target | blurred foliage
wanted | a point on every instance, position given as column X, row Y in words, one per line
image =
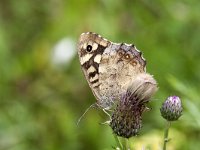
column 40, row 101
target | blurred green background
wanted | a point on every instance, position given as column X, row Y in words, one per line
column 43, row 91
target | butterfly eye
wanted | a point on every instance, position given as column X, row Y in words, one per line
column 89, row 48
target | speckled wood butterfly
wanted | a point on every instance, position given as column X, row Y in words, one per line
column 111, row 68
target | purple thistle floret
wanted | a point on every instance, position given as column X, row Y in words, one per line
column 171, row 109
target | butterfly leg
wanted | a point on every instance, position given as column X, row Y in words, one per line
column 91, row 106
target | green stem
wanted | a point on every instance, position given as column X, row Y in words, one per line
column 122, row 143
column 118, row 142
column 166, row 135
column 125, row 144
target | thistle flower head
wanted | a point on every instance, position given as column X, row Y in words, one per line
column 126, row 119
column 172, row 108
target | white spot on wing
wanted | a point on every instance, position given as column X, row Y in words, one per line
column 94, row 46
column 97, row 58
column 85, row 58
column 84, row 45
column 103, row 43
column 91, row 69
column 90, row 43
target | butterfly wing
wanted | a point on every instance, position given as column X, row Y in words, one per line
column 108, row 67
column 90, row 49
column 120, row 64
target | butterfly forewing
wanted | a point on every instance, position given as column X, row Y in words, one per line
column 90, row 49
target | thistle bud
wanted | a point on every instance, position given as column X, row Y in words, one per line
column 171, row 109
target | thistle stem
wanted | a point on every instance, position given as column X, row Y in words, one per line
column 122, row 143
column 166, row 139
column 118, row 142
column 125, row 144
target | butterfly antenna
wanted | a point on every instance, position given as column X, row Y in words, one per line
column 91, row 106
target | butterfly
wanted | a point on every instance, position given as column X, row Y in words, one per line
column 112, row 69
